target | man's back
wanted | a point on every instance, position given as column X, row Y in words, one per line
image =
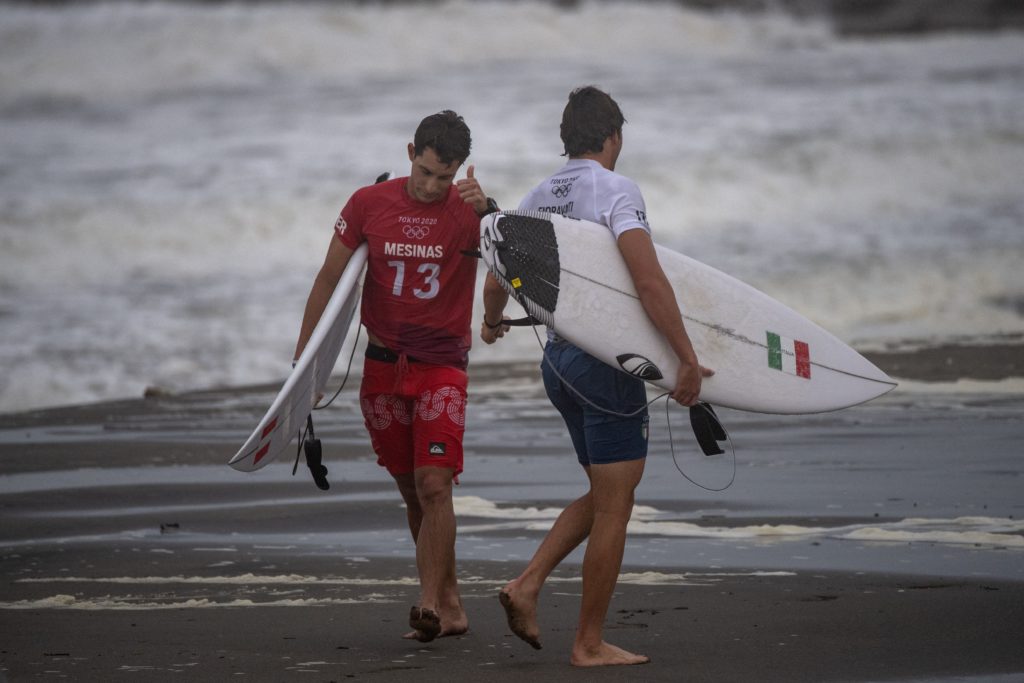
column 584, row 189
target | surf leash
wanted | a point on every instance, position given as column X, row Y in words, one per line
column 527, row 321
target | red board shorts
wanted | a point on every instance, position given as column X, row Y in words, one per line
column 415, row 414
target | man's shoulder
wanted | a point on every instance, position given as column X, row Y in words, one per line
column 604, row 179
column 384, row 190
column 614, row 179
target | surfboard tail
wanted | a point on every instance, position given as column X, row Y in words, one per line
column 521, row 251
column 295, row 401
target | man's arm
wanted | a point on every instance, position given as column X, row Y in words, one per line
column 659, row 302
column 337, row 259
column 495, row 299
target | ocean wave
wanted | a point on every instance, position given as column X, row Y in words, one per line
column 170, row 172
column 127, row 49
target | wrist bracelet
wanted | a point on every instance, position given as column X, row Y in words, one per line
column 492, row 206
column 493, row 327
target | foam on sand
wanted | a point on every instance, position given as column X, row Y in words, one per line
column 63, row 601
column 650, row 521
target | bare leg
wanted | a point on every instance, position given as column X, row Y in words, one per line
column 519, row 597
column 454, row 621
column 435, row 557
column 407, row 487
column 611, row 489
column 414, row 513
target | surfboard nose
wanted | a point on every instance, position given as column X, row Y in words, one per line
column 872, row 372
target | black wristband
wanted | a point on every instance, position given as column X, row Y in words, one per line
column 493, row 327
column 492, row 206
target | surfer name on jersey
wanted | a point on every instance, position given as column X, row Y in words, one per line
column 418, row 228
column 561, row 209
column 413, row 250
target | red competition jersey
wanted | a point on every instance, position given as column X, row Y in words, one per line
column 418, row 293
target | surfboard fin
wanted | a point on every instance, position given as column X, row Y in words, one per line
column 707, row 428
column 314, row 456
column 314, row 460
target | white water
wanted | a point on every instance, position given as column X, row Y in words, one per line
column 169, row 174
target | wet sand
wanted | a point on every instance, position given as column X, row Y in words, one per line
column 130, row 551
column 820, row 627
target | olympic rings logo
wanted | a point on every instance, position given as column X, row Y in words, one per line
column 416, row 231
column 561, row 191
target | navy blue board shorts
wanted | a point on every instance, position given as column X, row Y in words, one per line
column 598, row 437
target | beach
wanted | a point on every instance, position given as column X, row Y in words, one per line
column 879, row 543
column 170, row 175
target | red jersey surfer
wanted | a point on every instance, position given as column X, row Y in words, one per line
column 416, row 306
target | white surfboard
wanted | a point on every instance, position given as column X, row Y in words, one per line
column 287, row 415
column 767, row 358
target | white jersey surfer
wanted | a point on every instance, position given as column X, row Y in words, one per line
column 612, row 448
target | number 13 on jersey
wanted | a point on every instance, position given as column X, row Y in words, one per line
column 426, row 284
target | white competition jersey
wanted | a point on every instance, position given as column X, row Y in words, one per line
column 586, row 190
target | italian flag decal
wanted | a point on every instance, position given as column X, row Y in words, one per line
column 789, row 355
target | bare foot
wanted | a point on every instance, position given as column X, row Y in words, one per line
column 445, row 632
column 454, row 621
column 426, row 623
column 605, row 655
column 416, row 635
column 522, row 615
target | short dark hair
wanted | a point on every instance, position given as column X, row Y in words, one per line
column 447, row 134
column 590, row 117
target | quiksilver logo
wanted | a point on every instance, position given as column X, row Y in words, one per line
column 436, row 448
column 638, row 366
